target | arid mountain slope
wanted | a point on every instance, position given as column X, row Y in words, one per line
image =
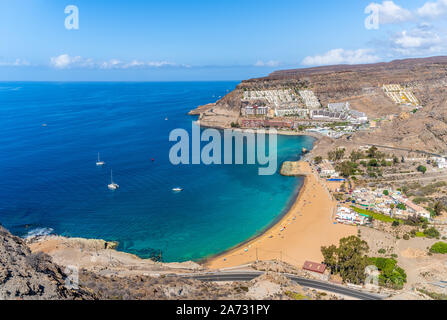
column 361, row 85
column 25, row 275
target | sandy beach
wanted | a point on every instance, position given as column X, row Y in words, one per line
column 299, row 235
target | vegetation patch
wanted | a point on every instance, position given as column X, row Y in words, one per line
column 439, row 247
column 434, row 295
column 375, row 215
column 296, row 295
column 391, row 275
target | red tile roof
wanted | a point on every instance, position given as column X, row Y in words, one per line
column 314, row 267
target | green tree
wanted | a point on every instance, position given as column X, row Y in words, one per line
column 349, row 259
column 330, row 255
column 339, row 154
column 318, row 160
column 372, row 152
column 346, row 168
column 422, row 169
column 356, row 156
column 373, row 163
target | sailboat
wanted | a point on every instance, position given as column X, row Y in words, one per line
column 100, row 163
column 112, row 185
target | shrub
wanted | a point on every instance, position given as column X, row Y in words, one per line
column 432, row 233
column 406, row 237
column 391, row 275
column 439, row 247
column 422, row 169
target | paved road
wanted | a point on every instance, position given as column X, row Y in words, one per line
column 314, row 284
column 403, row 149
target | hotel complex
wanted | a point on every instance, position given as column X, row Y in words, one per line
column 293, row 109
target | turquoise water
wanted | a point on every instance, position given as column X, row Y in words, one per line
column 49, row 181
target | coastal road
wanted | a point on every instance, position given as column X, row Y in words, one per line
column 405, row 150
column 314, row 284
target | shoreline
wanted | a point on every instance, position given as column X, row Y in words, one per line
column 296, row 194
column 286, row 238
column 274, row 224
column 257, row 130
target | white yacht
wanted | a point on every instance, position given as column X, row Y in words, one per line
column 100, row 163
column 112, row 185
column 177, row 189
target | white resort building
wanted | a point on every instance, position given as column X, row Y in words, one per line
column 358, row 117
column 326, row 115
column 256, row 110
column 272, row 97
column 327, row 169
column 310, row 100
column 339, row 107
column 293, row 111
column 400, row 95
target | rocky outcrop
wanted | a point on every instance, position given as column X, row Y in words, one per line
column 294, row 169
column 27, row 275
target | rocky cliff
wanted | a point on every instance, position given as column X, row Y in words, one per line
column 27, row 275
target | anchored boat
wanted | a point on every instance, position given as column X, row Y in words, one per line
column 112, row 185
column 100, row 163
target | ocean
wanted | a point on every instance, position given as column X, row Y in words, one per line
column 51, row 133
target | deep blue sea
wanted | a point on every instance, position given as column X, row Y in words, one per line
column 50, row 134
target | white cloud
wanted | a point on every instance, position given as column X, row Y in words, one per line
column 65, row 61
column 341, row 56
column 270, row 63
column 15, row 63
column 418, row 41
column 433, row 9
column 389, row 12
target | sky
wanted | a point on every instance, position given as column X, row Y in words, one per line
column 202, row 40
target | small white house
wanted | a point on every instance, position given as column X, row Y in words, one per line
column 327, row 169
column 441, row 163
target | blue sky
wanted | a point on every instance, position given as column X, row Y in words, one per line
column 208, row 40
